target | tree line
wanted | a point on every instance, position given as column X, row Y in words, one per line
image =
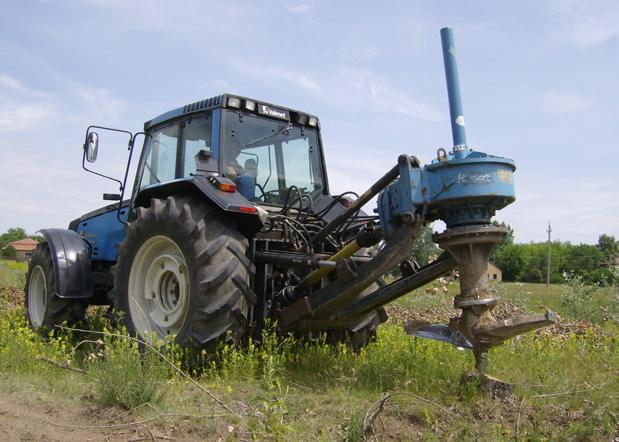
column 528, row 262
column 519, row 262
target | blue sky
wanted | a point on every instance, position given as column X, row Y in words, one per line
column 539, row 82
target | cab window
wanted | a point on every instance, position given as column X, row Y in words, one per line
column 164, row 162
column 196, row 137
column 160, row 164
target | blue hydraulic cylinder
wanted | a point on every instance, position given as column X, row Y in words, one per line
column 453, row 91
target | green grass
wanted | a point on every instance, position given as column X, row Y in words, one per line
column 299, row 391
column 13, row 273
column 565, row 386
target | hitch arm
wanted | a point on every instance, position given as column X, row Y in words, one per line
column 384, row 295
column 327, row 301
column 357, row 204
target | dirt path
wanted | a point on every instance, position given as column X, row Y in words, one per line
column 22, row 420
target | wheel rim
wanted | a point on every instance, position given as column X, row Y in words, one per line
column 37, row 296
column 158, row 289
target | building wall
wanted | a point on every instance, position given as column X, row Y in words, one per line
column 494, row 273
column 23, row 255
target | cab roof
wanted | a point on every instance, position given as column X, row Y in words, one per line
column 223, row 101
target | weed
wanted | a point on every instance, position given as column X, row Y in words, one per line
column 353, row 428
column 577, row 297
column 126, row 376
column 20, row 345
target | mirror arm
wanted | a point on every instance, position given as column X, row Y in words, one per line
column 123, row 185
column 120, row 184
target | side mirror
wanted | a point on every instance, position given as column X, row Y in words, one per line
column 92, row 147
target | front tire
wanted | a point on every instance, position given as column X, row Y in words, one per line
column 183, row 271
column 44, row 309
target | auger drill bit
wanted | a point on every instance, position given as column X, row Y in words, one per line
column 471, row 246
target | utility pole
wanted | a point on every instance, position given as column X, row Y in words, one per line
column 548, row 262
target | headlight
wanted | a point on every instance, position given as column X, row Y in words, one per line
column 234, row 102
column 250, row 105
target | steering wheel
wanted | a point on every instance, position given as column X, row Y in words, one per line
column 270, row 195
column 262, row 193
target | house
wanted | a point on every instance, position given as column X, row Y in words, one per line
column 23, row 248
column 612, row 262
column 494, row 273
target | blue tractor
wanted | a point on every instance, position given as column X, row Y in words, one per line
column 231, row 223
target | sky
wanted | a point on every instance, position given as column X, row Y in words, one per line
column 538, row 78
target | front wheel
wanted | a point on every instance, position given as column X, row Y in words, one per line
column 45, row 310
column 183, row 271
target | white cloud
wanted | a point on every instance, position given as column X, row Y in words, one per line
column 24, row 116
column 299, row 8
column 360, row 54
column 375, row 91
column 11, row 83
column 102, row 104
column 277, row 73
column 22, row 108
column 565, row 102
column 586, row 23
column 14, row 85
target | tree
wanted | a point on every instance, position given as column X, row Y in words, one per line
column 13, row 234
column 608, row 245
column 9, row 252
column 424, row 247
column 511, row 259
column 507, row 240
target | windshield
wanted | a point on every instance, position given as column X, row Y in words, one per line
column 271, row 161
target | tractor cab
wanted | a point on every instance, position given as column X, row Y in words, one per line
column 271, row 155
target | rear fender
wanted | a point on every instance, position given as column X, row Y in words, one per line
column 234, row 205
column 71, row 260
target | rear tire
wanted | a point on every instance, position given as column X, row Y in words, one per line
column 44, row 309
column 182, row 270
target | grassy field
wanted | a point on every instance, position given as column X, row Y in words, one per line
column 566, row 381
column 12, row 273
